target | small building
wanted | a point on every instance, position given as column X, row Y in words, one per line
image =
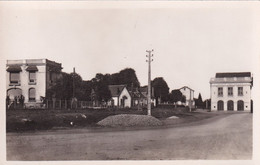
column 189, row 95
column 138, row 99
column 120, row 96
column 29, row 79
column 231, row 91
column 144, row 91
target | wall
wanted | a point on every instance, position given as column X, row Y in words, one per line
column 24, row 85
column 246, row 95
column 128, row 100
column 24, row 82
column 189, row 94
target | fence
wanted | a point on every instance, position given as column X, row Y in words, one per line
column 53, row 104
column 67, row 104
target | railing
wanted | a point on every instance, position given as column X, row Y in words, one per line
column 50, row 104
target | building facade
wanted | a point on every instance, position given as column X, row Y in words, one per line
column 189, row 95
column 120, row 96
column 231, row 91
column 29, row 79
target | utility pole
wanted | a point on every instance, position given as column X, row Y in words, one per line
column 149, row 81
column 73, row 88
column 190, row 101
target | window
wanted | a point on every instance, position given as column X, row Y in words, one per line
column 240, row 91
column 32, row 94
column 14, row 77
column 220, row 91
column 32, row 77
column 230, row 91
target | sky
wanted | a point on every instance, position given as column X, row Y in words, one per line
column 191, row 41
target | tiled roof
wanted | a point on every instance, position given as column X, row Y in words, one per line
column 233, row 74
column 116, row 89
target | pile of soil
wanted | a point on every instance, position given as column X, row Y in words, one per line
column 129, row 120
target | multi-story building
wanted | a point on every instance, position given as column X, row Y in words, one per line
column 231, row 91
column 189, row 95
column 30, row 80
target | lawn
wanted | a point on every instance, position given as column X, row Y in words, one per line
column 32, row 120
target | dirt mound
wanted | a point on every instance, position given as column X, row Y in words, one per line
column 127, row 120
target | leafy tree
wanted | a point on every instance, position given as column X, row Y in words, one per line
column 63, row 87
column 126, row 76
column 161, row 89
column 102, row 91
column 176, row 96
column 183, row 99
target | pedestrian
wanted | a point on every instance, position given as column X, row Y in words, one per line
column 7, row 101
column 15, row 101
column 22, row 101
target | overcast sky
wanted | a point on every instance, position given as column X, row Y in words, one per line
column 191, row 42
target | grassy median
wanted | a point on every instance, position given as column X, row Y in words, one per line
column 32, row 120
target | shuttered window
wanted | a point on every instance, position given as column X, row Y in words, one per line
column 230, row 91
column 32, row 76
column 32, row 94
column 220, row 91
column 14, row 77
column 240, row 91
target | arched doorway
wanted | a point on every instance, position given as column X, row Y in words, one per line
column 220, row 105
column 240, row 105
column 123, row 101
column 14, row 92
column 13, row 98
column 230, row 105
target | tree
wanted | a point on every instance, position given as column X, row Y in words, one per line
column 126, row 76
column 63, row 87
column 161, row 89
column 102, row 91
column 199, row 102
column 183, row 99
column 176, row 96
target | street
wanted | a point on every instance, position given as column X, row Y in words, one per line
column 225, row 137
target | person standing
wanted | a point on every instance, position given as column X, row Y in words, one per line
column 7, row 101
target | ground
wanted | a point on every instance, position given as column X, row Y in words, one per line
column 223, row 136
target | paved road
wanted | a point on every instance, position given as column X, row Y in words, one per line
column 226, row 137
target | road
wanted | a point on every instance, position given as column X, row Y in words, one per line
column 225, row 137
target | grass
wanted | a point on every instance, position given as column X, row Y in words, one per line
column 32, row 120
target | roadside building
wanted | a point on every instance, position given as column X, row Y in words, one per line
column 189, row 95
column 120, row 96
column 29, row 79
column 138, row 99
column 231, row 91
column 144, row 91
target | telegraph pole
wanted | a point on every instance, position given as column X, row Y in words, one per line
column 73, row 88
column 149, row 81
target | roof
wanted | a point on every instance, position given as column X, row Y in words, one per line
column 136, row 93
column 186, row 87
column 32, row 68
column 36, row 62
column 116, row 89
column 233, row 74
column 14, row 68
column 143, row 89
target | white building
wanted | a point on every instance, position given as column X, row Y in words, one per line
column 231, row 91
column 120, row 96
column 189, row 95
column 30, row 79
